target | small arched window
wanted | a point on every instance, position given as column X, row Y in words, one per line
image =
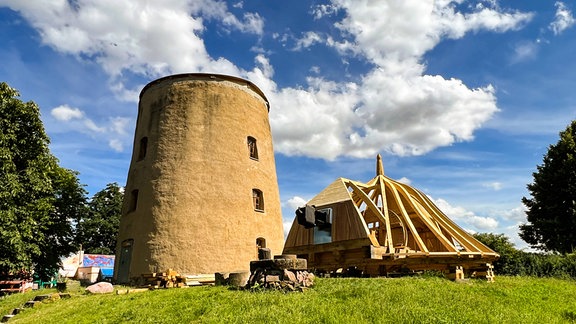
column 258, row 200
column 261, row 242
column 133, row 200
column 143, row 148
column 252, row 148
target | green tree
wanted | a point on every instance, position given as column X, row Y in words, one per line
column 551, row 211
column 38, row 198
column 510, row 262
column 98, row 230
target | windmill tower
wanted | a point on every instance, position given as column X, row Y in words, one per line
column 380, row 227
column 202, row 194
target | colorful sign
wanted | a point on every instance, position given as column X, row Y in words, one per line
column 98, row 260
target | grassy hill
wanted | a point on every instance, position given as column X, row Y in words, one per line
column 350, row 300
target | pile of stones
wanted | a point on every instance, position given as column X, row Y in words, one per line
column 284, row 272
column 288, row 280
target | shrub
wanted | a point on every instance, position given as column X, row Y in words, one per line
column 520, row 263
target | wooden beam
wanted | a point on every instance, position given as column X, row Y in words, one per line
column 370, row 205
column 417, row 237
column 457, row 232
column 427, row 220
column 382, row 189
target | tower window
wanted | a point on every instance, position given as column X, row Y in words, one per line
column 143, row 148
column 252, row 148
column 261, row 242
column 258, row 200
column 133, row 200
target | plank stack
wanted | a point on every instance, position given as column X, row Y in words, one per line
column 172, row 279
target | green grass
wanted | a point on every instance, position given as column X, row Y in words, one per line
column 378, row 300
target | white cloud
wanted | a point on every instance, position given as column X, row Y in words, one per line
column 465, row 218
column 289, row 207
column 563, row 19
column 320, row 11
column 155, row 39
column 76, row 118
column 509, row 225
column 307, row 40
column 405, row 180
column 395, row 107
column 401, row 30
column 294, row 203
column 515, row 214
column 287, row 225
column 119, row 125
column 493, row 185
column 66, row 113
column 127, row 95
column 91, row 126
column 218, row 10
column 116, row 145
column 524, row 51
column 115, row 130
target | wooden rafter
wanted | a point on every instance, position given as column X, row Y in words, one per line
column 382, row 189
column 407, row 220
column 425, row 217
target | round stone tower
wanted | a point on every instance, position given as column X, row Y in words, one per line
column 202, row 194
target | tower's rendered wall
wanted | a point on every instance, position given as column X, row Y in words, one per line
column 189, row 195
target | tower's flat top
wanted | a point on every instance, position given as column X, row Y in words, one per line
column 208, row 77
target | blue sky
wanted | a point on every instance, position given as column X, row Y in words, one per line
column 462, row 98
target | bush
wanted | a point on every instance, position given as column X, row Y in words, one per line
column 520, row 263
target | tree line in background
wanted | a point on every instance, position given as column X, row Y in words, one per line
column 514, row 262
column 44, row 212
column 45, row 215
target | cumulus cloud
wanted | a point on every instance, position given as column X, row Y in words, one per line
column 251, row 22
column 307, row 40
column 155, row 39
column 287, row 224
column 465, row 218
column 405, row 180
column 320, row 11
column 509, row 225
column 562, row 20
column 75, row 117
column 517, row 214
column 394, row 107
column 404, row 30
column 119, row 125
column 115, row 129
column 66, row 113
column 294, row 203
column 116, row 145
